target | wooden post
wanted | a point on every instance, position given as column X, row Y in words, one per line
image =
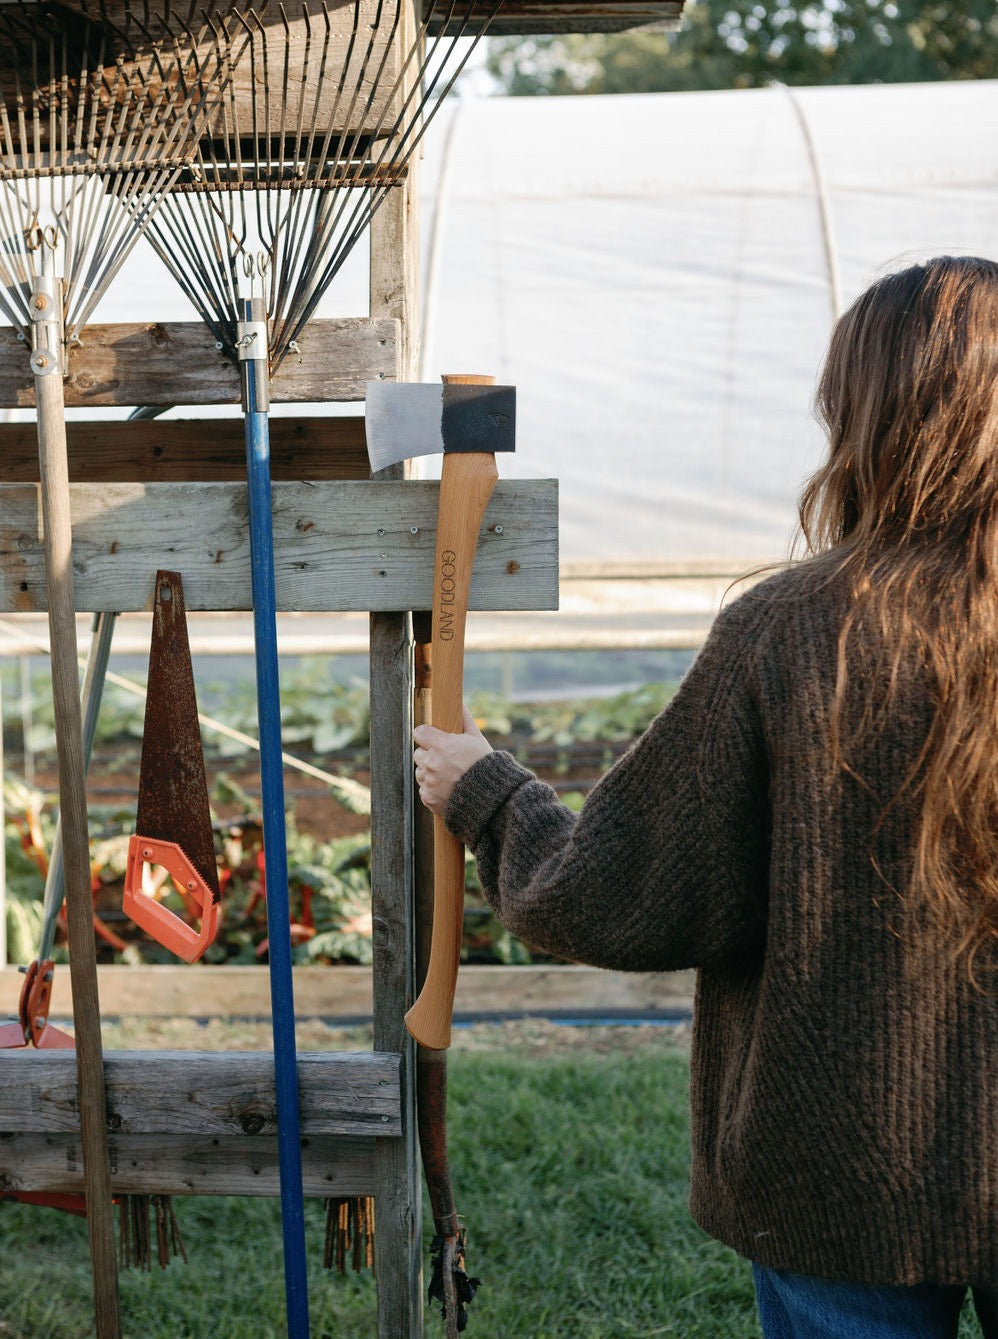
column 54, row 474
column 398, row 1198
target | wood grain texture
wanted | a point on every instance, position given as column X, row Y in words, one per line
column 177, row 363
column 188, row 1164
column 524, row 17
column 186, row 1092
column 338, row 546
column 190, row 450
column 366, row 105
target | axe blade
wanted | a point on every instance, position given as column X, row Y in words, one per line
column 406, row 419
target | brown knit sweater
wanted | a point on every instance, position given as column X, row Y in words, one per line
column 844, row 1070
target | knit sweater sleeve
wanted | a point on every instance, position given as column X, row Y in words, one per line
column 666, row 865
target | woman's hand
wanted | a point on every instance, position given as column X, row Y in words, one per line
column 442, row 759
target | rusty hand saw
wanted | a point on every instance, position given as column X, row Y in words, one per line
column 173, row 819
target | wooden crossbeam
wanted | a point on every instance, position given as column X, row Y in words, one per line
column 211, row 1092
column 195, row 1122
column 523, row 17
column 178, row 364
column 338, row 546
column 190, row 450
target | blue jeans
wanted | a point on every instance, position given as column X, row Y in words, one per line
column 793, row 1306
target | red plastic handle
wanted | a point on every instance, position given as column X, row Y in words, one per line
column 165, row 926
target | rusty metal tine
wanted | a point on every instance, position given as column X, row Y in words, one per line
column 320, row 237
column 303, row 208
column 351, row 225
column 300, row 186
column 404, row 140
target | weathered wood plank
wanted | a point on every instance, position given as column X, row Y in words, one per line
column 175, row 991
column 523, row 17
column 178, row 364
column 184, row 1092
column 190, row 450
column 338, row 546
column 150, row 1164
column 398, row 1247
column 327, row 41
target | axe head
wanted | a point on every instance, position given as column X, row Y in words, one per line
column 405, row 419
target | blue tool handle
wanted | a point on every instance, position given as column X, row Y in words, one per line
column 275, row 849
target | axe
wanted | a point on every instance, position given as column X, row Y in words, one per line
column 468, row 419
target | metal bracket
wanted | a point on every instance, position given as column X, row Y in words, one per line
column 252, row 339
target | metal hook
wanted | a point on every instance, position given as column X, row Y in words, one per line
column 35, row 236
column 255, row 267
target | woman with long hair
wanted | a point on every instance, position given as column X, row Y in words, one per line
column 812, row 823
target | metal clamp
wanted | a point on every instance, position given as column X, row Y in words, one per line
column 45, row 298
column 46, row 325
column 45, row 363
column 252, row 339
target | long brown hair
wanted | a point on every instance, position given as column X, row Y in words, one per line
column 907, row 502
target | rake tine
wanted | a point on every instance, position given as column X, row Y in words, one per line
column 364, row 211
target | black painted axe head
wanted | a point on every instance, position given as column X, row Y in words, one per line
column 405, row 419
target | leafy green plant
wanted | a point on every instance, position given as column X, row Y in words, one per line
column 565, row 724
column 330, row 880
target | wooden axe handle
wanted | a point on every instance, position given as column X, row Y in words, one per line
column 466, row 484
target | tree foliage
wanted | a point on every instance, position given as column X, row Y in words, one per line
column 751, row 43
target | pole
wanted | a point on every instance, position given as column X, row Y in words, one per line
column 253, row 345
column 47, row 365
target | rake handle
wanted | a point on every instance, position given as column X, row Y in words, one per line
column 466, row 483
column 54, row 476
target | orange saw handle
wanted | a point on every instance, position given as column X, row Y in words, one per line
column 466, row 483
column 165, row 926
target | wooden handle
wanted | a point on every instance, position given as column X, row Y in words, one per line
column 54, row 474
column 466, row 484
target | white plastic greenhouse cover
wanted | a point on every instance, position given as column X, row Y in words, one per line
column 658, row 275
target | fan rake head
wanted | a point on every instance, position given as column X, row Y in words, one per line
column 326, row 106
column 101, row 107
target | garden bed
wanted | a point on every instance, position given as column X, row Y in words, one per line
column 569, row 744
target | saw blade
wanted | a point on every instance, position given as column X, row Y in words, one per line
column 173, row 790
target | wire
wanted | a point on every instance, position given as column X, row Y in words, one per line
column 354, row 795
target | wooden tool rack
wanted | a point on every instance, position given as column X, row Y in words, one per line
column 154, row 494
column 172, row 493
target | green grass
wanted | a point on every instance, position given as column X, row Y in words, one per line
column 570, row 1162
